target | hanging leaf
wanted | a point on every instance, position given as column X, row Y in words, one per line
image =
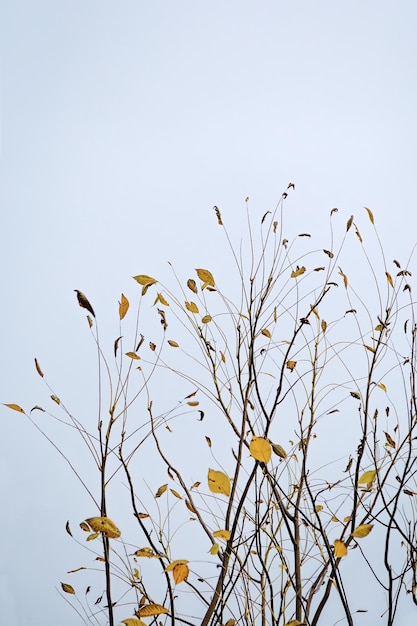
column 38, row 369
column 206, row 278
column 190, row 507
column 67, row 588
column 218, row 482
column 294, row 622
column 218, row 215
column 176, row 494
column 345, row 280
column 340, row 549
column 68, row 529
column 147, row 553
column 151, row 609
column 14, row 407
column 370, row 348
column 260, row 449
column 133, row 355
column 191, row 306
column 291, row 365
column 329, row 254
column 104, row 525
column 349, row 223
column 55, row 399
column 93, row 536
column 195, row 485
column 390, row 442
column 362, row 531
column 371, row 217
column 145, row 281
column 266, row 332
column 83, row 302
column 174, row 344
column 223, row 358
column 193, row 403
column 222, row 534
column 323, row 326
column 162, row 489
column 389, row 279
column 279, row 450
column 133, row 621
column 318, row 508
column 367, row 477
column 192, row 286
column 382, row 386
column 123, row 306
column 214, row 549
column 160, row 298
column 298, row 271
column 206, row 319
column 172, row 565
column 358, row 234
column 208, row 440
column 230, row 622
column 180, row 572
column 85, row 527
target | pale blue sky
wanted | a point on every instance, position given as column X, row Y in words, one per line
column 122, row 124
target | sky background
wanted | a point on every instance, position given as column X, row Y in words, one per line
column 122, row 124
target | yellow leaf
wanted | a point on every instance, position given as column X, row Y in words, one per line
column 323, row 325
column 55, row 399
column 291, row 365
column 334, row 519
column 260, row 449
column 144, row 280
column 191, row 306
column 104, row 525
column 123, row 306
column 345, row 280
column 173, row 344
column 214, row 548
column 208, row 441
column 191, row 284
column 193, row 403
column 318, row 507
column 298, row 271
column 389, row 278
column 145, row 552
column 382, row 386
column 340, row 549
column 162, row 489
column 152, row 346
column 266, row 332
column 371, row 217
column 151, row 609
column 362, row 531
column 85, row 527
column 133, row 355
column 369, row 348
column 180, row 572
column 133, row 621
column 206, row 278
column 15, row 407
column 67, row 588
column 218, row 482
column 230, row 622
column 195, row 485
column 279, row 450
column 38, row 369
column 160, row 298
column 171, row 566
column 176, row 494
column 367, row 477
column 206, row 319
column 190, row 506
column 222, row 534
column 92, row 536
column 294, row 622
column 223, row 358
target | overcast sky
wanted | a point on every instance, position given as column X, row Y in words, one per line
column 122, row 124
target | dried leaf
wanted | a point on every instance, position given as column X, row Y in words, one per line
column 67, row 588
column 298, row 271
column 68, row 529
column 171, row 566
column 340, row 549
column 133, row 621
column 160, row 298
column 176, row 494
column 133, row 355
column 14, row 407
column 390, row 442
column 371, row 217
column 291, row 365
column 222, row 534
column 104, row 525
column 191, row 306
column 55, row 399
column 260, row 449
column 206, row 319
column 214, row 549
column 161, row 490
column 382, row 386
column 218, row 215
column 266, row 332
column 329, row 254
column 362, row 531
column 191, row 284
column 389, row 279
column 193, row 403
column 174, row 344
column 349, row 223
column 370, row 348
column 146, row 552
column 152, row 346
column 180, row 572
column 190, row 507
column 92, row 536
column 218, row 482
column 208, row 440
column 123, row 306
column 38, row 369
column 151, row 609
column 279, row 450
column 206, row 278
column 345, row 280
column 323, row 326
column 83, row 302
